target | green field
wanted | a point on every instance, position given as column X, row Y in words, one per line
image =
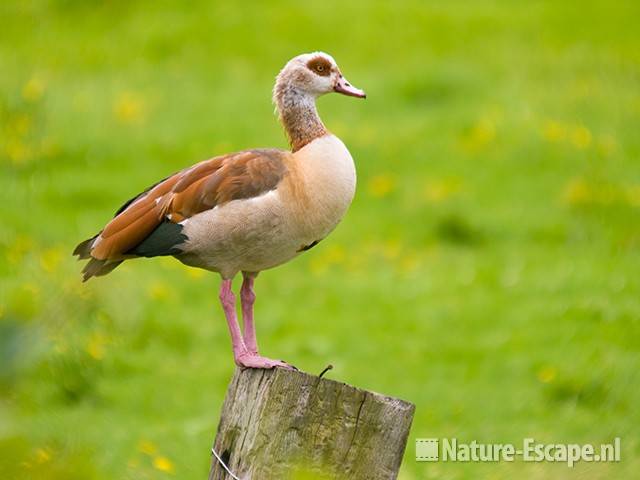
column 488, row 270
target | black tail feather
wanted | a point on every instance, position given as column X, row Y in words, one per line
column 98, row 268
column 83, row 250
column 165, row 239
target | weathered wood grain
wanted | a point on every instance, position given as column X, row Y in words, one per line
column 278, row 424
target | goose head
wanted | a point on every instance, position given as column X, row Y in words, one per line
column 314, row 74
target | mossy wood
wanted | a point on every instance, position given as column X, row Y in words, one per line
column 278, row 424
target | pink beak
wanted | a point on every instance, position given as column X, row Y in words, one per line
column 345, row 88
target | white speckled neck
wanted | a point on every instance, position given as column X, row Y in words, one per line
column 298, row 114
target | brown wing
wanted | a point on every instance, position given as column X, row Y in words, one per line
column 205, row 185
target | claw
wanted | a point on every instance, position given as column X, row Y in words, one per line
column 290, row 367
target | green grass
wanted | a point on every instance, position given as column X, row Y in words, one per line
column 487, row 270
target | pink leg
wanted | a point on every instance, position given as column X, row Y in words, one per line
column 228, row 301
column 242, row 356
column 248, row 297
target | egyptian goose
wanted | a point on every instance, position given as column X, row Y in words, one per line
column 246, row 211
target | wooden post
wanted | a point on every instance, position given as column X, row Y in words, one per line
column 279, row 424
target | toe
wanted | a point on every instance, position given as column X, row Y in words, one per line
column 256, row 361
column 286, row 366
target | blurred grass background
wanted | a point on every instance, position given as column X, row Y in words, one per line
column 487, row 270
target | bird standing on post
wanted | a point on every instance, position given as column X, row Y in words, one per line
column 247, row 211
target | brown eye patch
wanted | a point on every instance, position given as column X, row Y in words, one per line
column 320, row 66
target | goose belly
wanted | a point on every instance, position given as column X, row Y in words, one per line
column 243, row 235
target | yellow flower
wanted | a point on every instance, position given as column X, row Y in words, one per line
column 335, row 254
column 480, row 135
column 195, row 272
column 128, row 108
column 33, row 89
column 356, row 261
column 438, row 190
column 159, row 291
column 19, row 248
column 391, row 249
column 381, row 185
column 163, row 464
column 577, row 191
column 581, row 137
column 17, row 151
column 96, row 346
column 332, row 255
column 547, row 374
column 43, row 455
column 409, row 263
column 190, row 272
column 580, row 192
column 554, row 131
column 20, row 124
column 147, row 447
column 31, row 288
column 50, row 259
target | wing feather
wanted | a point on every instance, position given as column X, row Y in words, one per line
column 180, row 196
